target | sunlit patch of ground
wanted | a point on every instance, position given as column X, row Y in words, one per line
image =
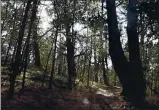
column 104, row 92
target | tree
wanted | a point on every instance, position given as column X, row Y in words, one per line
column 130, row 73
column 36, row 44
column 26, row 55
column 53, row 57
column 18, row 52
column 134, row 52
column 70, row 44
column 12, row 34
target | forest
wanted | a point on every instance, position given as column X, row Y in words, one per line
column 80, row 54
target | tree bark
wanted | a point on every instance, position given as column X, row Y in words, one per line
column 84, row 68
column 89, row 62
column 138, row 80
column 96, row 65
column 131, row 80
column 118, row 58
column 105, row 77
column 18, row 53
column 6, row 17
column 60, row 60
column 70, row 61
column 12, row 36
column 70, row 47
column 36, row 45
column 33, row 17
column 36, row 50
column 53, row 57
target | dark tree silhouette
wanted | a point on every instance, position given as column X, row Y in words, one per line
column 129, row 72
column 33, row 18
column 16, row 64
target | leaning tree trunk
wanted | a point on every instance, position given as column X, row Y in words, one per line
column 118, row 58
column 18, row 52
column 128, row 76
column 33, row 17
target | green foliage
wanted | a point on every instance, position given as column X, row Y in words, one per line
column 45, row 49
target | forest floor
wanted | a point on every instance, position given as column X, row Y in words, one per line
column 36, row 97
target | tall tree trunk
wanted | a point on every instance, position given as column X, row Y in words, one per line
column 6, row 17
column 158, row 11
column 36, row 45
column 105, row 72
column 53, row 57
column 60, row 60
column 59, row 71
column 126, row 72
column 95, row 65
column 16, row 43
column 70, row 62
column 84, row 69
column 12, row 36
column 70, row 58
column 89, row 67
column 70, row 47
column 18, row 53
column 33, row 17
column 46, row 65
column 105, row 77
column 64, row 66
column 118, row 58
column 36, row 50
column 13, row 56
column 89, row 63
column 138, row 80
